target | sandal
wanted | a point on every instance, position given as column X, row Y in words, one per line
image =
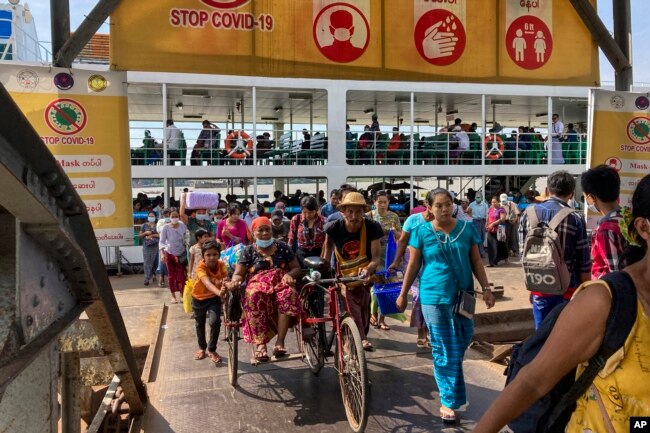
column 214, row 357
column 279, row 351
column 384, row 327
column 373, row 322
column 447, row 415
column 422, row 343
column 199, row 354
column 173, row 301
column 261, row 355
column 367, row 346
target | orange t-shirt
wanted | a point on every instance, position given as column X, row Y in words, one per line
column 199, row 291
column 395, row 143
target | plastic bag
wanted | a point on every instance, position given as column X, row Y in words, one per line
column 202, row 200
column 187, row 296
column 230, row 256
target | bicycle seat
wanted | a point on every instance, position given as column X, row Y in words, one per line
column 314, row 262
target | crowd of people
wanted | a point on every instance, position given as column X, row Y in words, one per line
column 440, row 248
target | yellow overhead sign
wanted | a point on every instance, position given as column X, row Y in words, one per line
column 82, row 117
column 494, row 41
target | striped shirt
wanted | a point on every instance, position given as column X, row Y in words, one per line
column 573, row 234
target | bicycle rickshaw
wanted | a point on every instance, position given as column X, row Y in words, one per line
column 349, row 357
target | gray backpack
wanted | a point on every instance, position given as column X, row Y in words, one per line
column 543, row 258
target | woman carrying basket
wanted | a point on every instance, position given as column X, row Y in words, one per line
column 388, row 220
column 447, row 250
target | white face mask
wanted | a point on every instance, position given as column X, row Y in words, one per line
column 175, row 220
column 504, row 202
column 341, row 34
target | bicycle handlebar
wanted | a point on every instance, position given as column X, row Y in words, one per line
column 343, row 280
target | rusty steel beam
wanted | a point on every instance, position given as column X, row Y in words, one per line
column 75, row 43
column 49, row 213
column 601, row 35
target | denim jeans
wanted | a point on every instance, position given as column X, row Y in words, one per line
column 542, row 305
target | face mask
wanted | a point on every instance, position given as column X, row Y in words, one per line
column 175, row 220
column 203, row 217
column 264, row 244
column 593, row 208
column 504, row 202
column 342, row 34
column 151, row 219
column 168, row 220
column 479, row 199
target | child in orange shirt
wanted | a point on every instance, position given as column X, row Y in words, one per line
column 207, row 292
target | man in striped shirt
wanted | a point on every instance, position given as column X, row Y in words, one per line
column 573, row 234
column 601, row 187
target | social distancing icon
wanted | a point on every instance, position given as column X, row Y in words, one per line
column 529, row 42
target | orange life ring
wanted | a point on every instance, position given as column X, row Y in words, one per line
column 232, row 148
column 494, row 146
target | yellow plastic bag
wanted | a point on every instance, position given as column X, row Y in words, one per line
column 187, row 296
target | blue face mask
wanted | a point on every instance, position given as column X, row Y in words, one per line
column 202, row 217
column 264, row 244
column 168, row 220
column 151, row 219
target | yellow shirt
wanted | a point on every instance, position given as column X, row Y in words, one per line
column 623, row 385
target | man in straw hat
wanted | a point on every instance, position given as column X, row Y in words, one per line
column 355, row 243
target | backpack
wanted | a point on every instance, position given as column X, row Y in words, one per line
column 552, row 412
column 543, row 258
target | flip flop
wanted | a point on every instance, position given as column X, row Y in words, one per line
column 199, row 354
column 448, row 416
column 279, row 351
column 373, row 322
column 261, row 355
column 214, row 357
column 367, row 346
column 422, row 343
column 384, row 327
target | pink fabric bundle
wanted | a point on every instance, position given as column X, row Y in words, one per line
column 202, row 200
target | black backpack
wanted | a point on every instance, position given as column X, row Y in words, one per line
column 552, row 412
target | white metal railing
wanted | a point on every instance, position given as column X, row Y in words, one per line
column 199, row 146
column 196, row 146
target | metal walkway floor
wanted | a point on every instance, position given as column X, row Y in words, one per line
column 188, row 396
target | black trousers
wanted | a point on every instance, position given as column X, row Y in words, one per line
column 207, row 310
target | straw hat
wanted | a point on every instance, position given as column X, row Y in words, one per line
column 354, row 199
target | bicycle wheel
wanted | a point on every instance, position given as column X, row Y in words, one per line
column 353, row 376
column 314, row 350
column 233, row 344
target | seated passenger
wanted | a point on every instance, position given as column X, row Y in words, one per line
column 394, row 144
column 270, row 269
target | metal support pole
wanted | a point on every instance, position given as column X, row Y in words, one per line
column 623, row 38
column 255, row 132
column 549, row 140
column 412, row 144
column 70, row 392
column 165, row 144
column 483, row 130
column 60, row 23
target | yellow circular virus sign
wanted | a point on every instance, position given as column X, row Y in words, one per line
column 97, row 83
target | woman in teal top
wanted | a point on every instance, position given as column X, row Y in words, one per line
column 441, row 248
